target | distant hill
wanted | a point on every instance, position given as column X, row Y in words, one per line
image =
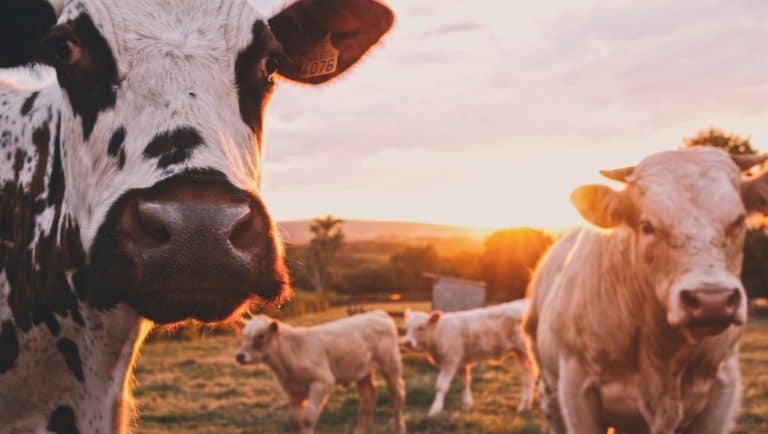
column 297, row 231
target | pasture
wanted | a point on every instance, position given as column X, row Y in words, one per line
column 195, row 387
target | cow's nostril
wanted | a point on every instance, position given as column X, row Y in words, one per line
column 240, row 358
column 145, row 225
column 246, row 232
column 734, row 299
column 689, row 300
column 152, row 222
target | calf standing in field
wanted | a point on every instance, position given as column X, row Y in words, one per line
column 635, row 324
column 457, row 340
column 310, row 361
column 130, row 188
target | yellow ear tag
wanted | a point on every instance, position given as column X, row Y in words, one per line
column 323, row 60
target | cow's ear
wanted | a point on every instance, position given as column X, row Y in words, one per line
column 273, row 327
column 434, row 317
column 602, row 206
column 323, row 38
column 754, row 193
column 23, row 26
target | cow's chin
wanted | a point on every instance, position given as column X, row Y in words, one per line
column 207, row 306
column 700, row 331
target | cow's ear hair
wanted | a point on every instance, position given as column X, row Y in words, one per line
column 273, row 327
column 323, row 38
column 602, row 206
column 434, row 317
column 24, row 24
column 754, row 193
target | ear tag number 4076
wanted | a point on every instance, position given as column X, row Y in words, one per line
column 323, row 60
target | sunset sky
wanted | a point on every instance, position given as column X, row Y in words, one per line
column 491, row 112
column 488, row 113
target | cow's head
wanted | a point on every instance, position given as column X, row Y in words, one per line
column 683, row 213
column 161, row 128
column 258, row 335
column 420, row 328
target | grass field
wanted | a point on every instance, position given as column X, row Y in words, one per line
column 194, row 387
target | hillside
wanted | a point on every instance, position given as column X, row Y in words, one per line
column 297, row 231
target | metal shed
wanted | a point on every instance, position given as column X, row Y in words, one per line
column 450, row 294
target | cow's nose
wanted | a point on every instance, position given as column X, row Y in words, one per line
column 706, row 306
column 240, row 358
column 191, row 229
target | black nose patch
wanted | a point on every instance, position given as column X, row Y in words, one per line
column 173, row 147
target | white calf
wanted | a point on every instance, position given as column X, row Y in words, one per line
column 455, row 341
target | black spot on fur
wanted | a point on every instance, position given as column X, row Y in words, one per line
column 23, row 24
column 173, row 147
column 62, row 421
column 90, row 82
column 71, row 355
column 115, row 146
column 121, row 159
column 253, row 89
column 39, row 288
column 116, row 141
column 9, row 346
column 28, row 103
column 56, row 180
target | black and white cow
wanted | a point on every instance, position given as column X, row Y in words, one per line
column 130, row 190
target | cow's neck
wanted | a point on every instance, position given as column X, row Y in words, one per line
column 71, row 360
column 647, row 342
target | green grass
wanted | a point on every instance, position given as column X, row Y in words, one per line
column 194, row 387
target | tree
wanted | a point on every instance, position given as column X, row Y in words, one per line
column 509, row 258
column 325, row 245
column 409, row 266
column 731, row 143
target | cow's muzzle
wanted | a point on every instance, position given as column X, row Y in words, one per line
column 709, row 312
column 190, row 247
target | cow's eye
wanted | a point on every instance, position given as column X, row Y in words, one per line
column 62, row 51
column 737, row 224
column 269, row 66
column 647, row 228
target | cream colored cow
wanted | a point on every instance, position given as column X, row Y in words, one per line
column 457, row 340
column 635, row 322
column 310, row 361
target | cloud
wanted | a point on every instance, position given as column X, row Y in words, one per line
column 455, row 27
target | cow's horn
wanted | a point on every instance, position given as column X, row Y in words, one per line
column 748, row 161
column 620, row 175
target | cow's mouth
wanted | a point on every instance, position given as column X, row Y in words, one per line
column 706, row 329
column 192, row 246
column 207, row 306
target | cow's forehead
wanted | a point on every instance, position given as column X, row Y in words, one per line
column 674, row 184
column 195, row 28
column 416, row 317
column 256, row 325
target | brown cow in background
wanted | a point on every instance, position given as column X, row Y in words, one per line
column 635, row 324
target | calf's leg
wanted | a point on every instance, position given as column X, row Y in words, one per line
column 366, row 391
column 297, row 414
column 396, row 387
column 465, row 376
column 527, row 380
column 318, row 395
column 444, row 378
column 720, row 412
